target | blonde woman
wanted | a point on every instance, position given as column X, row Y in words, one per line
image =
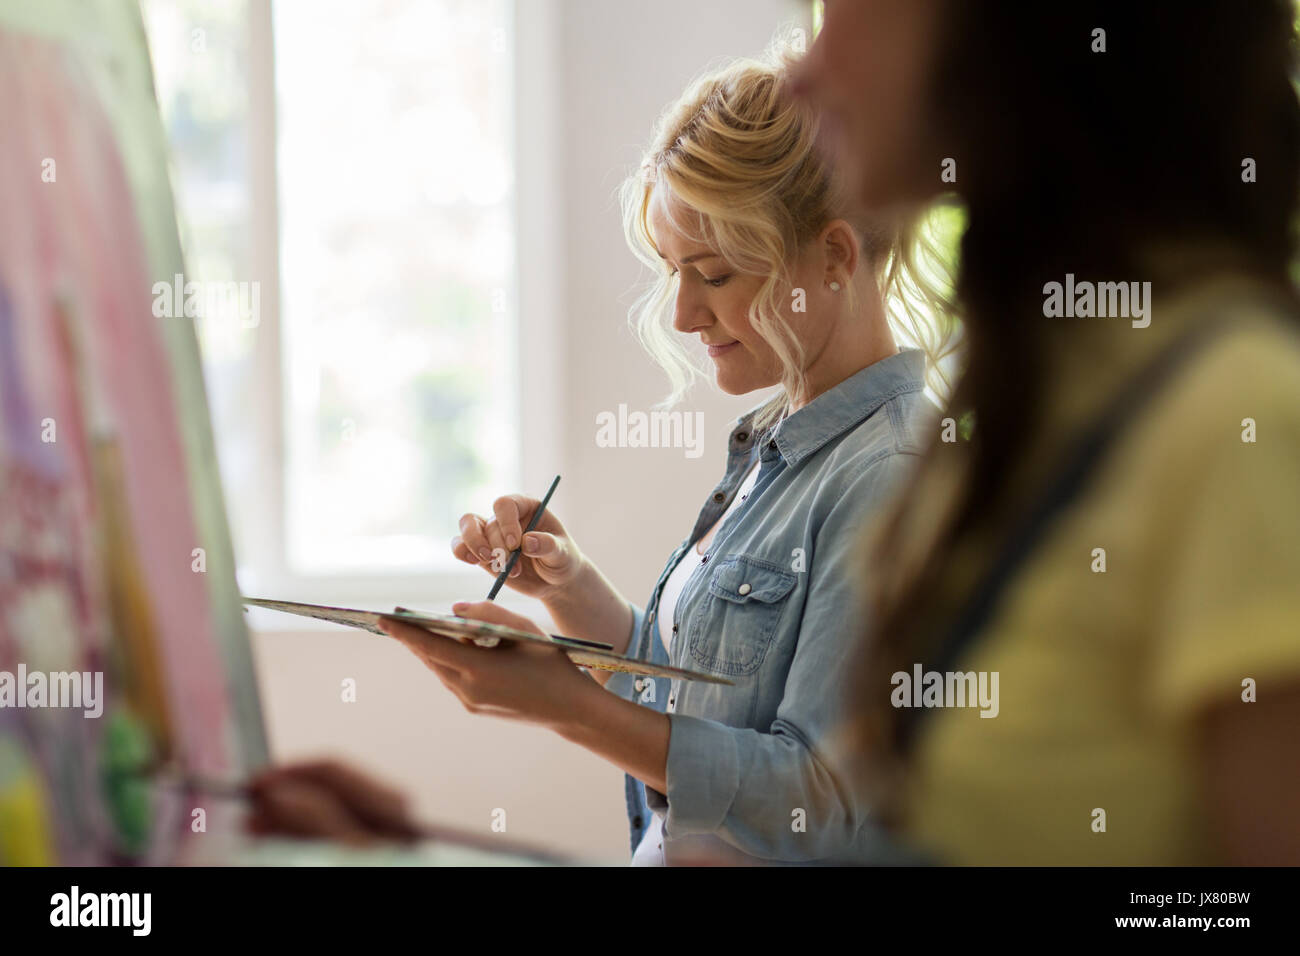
column 760, row 263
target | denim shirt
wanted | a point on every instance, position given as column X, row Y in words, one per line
column 775, row 607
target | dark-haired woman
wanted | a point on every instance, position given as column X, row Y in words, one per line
column 1119, row 539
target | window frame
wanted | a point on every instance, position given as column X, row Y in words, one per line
column 537, row 281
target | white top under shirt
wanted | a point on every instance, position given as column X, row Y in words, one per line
column 650, row 851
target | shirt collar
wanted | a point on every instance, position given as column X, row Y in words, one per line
column 841, row 408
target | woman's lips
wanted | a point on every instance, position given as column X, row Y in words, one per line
column 716, row 350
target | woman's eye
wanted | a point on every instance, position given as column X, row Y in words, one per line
column 715, row 283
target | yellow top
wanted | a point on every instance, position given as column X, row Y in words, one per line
column 1102, row 674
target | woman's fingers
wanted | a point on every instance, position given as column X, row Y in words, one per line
column 473, row 539
column 435, row 650
column 490, row 542
column 505, row 532
column 510, row 510
column 494, row 562
column 500, row 553
column 480, row 542
column 461, row 552
column 494, row 613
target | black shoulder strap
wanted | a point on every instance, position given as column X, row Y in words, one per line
column 1065, row 485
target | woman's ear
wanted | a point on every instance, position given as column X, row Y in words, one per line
column 840, row 251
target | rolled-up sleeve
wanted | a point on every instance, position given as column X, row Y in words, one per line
column 621, row 683
column 778, row 794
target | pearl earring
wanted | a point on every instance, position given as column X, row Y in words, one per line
column 835, row 287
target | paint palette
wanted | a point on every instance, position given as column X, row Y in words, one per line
column 583, row 653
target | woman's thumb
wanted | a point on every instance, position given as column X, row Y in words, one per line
column 546, row 548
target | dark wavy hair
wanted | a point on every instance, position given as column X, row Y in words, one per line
column 1076, row 161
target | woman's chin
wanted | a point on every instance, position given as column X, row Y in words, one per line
column 734, row 384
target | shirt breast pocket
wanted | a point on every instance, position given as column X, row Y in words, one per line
column 733, row 626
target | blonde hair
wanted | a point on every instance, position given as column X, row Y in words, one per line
column 737, row 153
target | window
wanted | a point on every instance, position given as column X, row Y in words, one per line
column 355, row 159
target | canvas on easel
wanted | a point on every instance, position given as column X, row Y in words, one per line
column 109, row 487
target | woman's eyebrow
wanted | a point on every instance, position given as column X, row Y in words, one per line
column 695, row 258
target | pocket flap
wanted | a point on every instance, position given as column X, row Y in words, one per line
column 740, row 579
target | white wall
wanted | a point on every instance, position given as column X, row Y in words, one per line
column 624, row 63
column 616, row 64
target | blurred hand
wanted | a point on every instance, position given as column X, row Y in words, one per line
column 328, row 800
column 550, row 560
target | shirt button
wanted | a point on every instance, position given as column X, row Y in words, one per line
column 719, row 497
column 745, row 589
column 636, row 820
column 741, row 436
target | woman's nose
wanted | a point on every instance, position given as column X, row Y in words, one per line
column 689, row 314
